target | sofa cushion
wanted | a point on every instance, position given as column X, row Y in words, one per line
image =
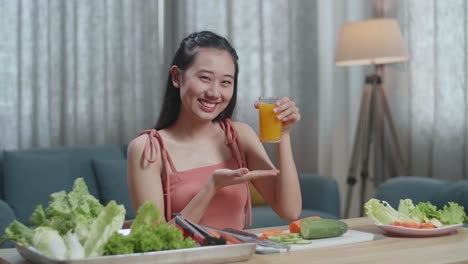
column 264, row 216
column 255, row 196
column 112, row 181
column 29, row 180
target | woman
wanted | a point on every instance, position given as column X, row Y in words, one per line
column 196, row 161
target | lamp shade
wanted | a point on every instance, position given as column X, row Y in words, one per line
column 375, row 41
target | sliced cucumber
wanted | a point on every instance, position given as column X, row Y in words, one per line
column 303, row 241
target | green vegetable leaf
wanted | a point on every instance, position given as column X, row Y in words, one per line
column 82, row 202
column 38, row 217
column 19, row 233
column 383, row 213
column 75, row 249
column 145, row 236
column 146, row 215
column 49, row 242
column 426, row 210
column 119, row 244
column 452, row 213
column 109, row 221
column 406, row 206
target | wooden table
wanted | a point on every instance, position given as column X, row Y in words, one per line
column 451, row 248
column 443, row 249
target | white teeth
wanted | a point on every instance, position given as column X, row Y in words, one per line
column 207, row 104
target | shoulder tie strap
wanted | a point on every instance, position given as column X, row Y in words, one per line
column 233, row 141
column 153, row 140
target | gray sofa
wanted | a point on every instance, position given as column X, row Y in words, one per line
column 423, row 189
column 28, row 177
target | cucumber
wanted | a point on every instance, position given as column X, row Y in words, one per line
column 322, row 228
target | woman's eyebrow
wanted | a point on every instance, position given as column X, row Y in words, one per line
column 211, row 72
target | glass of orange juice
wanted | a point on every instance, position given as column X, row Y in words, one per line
column 270, row 126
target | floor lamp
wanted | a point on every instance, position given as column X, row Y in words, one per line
column 372, row 42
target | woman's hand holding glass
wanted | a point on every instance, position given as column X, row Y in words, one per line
column 286, row 111
column 225, row 177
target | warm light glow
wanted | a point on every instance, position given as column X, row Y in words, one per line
column 375, row 41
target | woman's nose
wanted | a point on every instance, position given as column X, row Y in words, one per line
column 214, row 91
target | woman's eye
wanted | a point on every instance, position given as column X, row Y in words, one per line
column 204, row 78
column 226, row 83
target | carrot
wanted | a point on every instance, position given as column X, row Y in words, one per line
column 214, row 233
column 427, row 225
column 396, row 223
column 273, row 232
column 230, row 239
column 410, row 224
column 295, row 227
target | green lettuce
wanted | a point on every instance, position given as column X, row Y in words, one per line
column 73, row 225
column 452, row 213
column 49, row 242
column 108, row 222
column 406, row 206
column 147, row 215
column 383, row 213
column 147, row 234
column 19, row 233
column 425, row 211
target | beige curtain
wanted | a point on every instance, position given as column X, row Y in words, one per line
column 77, row 72
column 429, row 94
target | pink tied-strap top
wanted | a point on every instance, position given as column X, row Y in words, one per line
column 231, row 139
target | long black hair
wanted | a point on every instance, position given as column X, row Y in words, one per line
column 183, row 59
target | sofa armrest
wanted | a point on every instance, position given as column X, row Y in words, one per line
column 320, row 193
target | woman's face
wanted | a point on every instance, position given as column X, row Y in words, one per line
column 207, row 86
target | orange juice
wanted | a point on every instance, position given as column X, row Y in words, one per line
column 270, row 126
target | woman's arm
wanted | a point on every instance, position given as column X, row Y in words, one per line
column 143, row 177
column 283, row 193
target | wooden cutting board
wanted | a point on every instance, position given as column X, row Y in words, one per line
column 351, row 236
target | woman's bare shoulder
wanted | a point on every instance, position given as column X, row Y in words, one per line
column 137, row 144
column 243, row 129
column 137, row 149
column 246, row 133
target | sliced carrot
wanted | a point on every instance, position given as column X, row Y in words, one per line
column 427, row 225
column 396, row 223
column 214, row 233
column 410, row 224
column 272, row 232
column 230, row 239
column 295, row 226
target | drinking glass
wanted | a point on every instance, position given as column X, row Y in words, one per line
column 270, row 126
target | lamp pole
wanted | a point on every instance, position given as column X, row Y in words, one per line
column 374, row 111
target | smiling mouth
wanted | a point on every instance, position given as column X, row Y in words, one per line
column 207, row 104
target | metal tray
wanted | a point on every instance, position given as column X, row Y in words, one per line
column 202, row 255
